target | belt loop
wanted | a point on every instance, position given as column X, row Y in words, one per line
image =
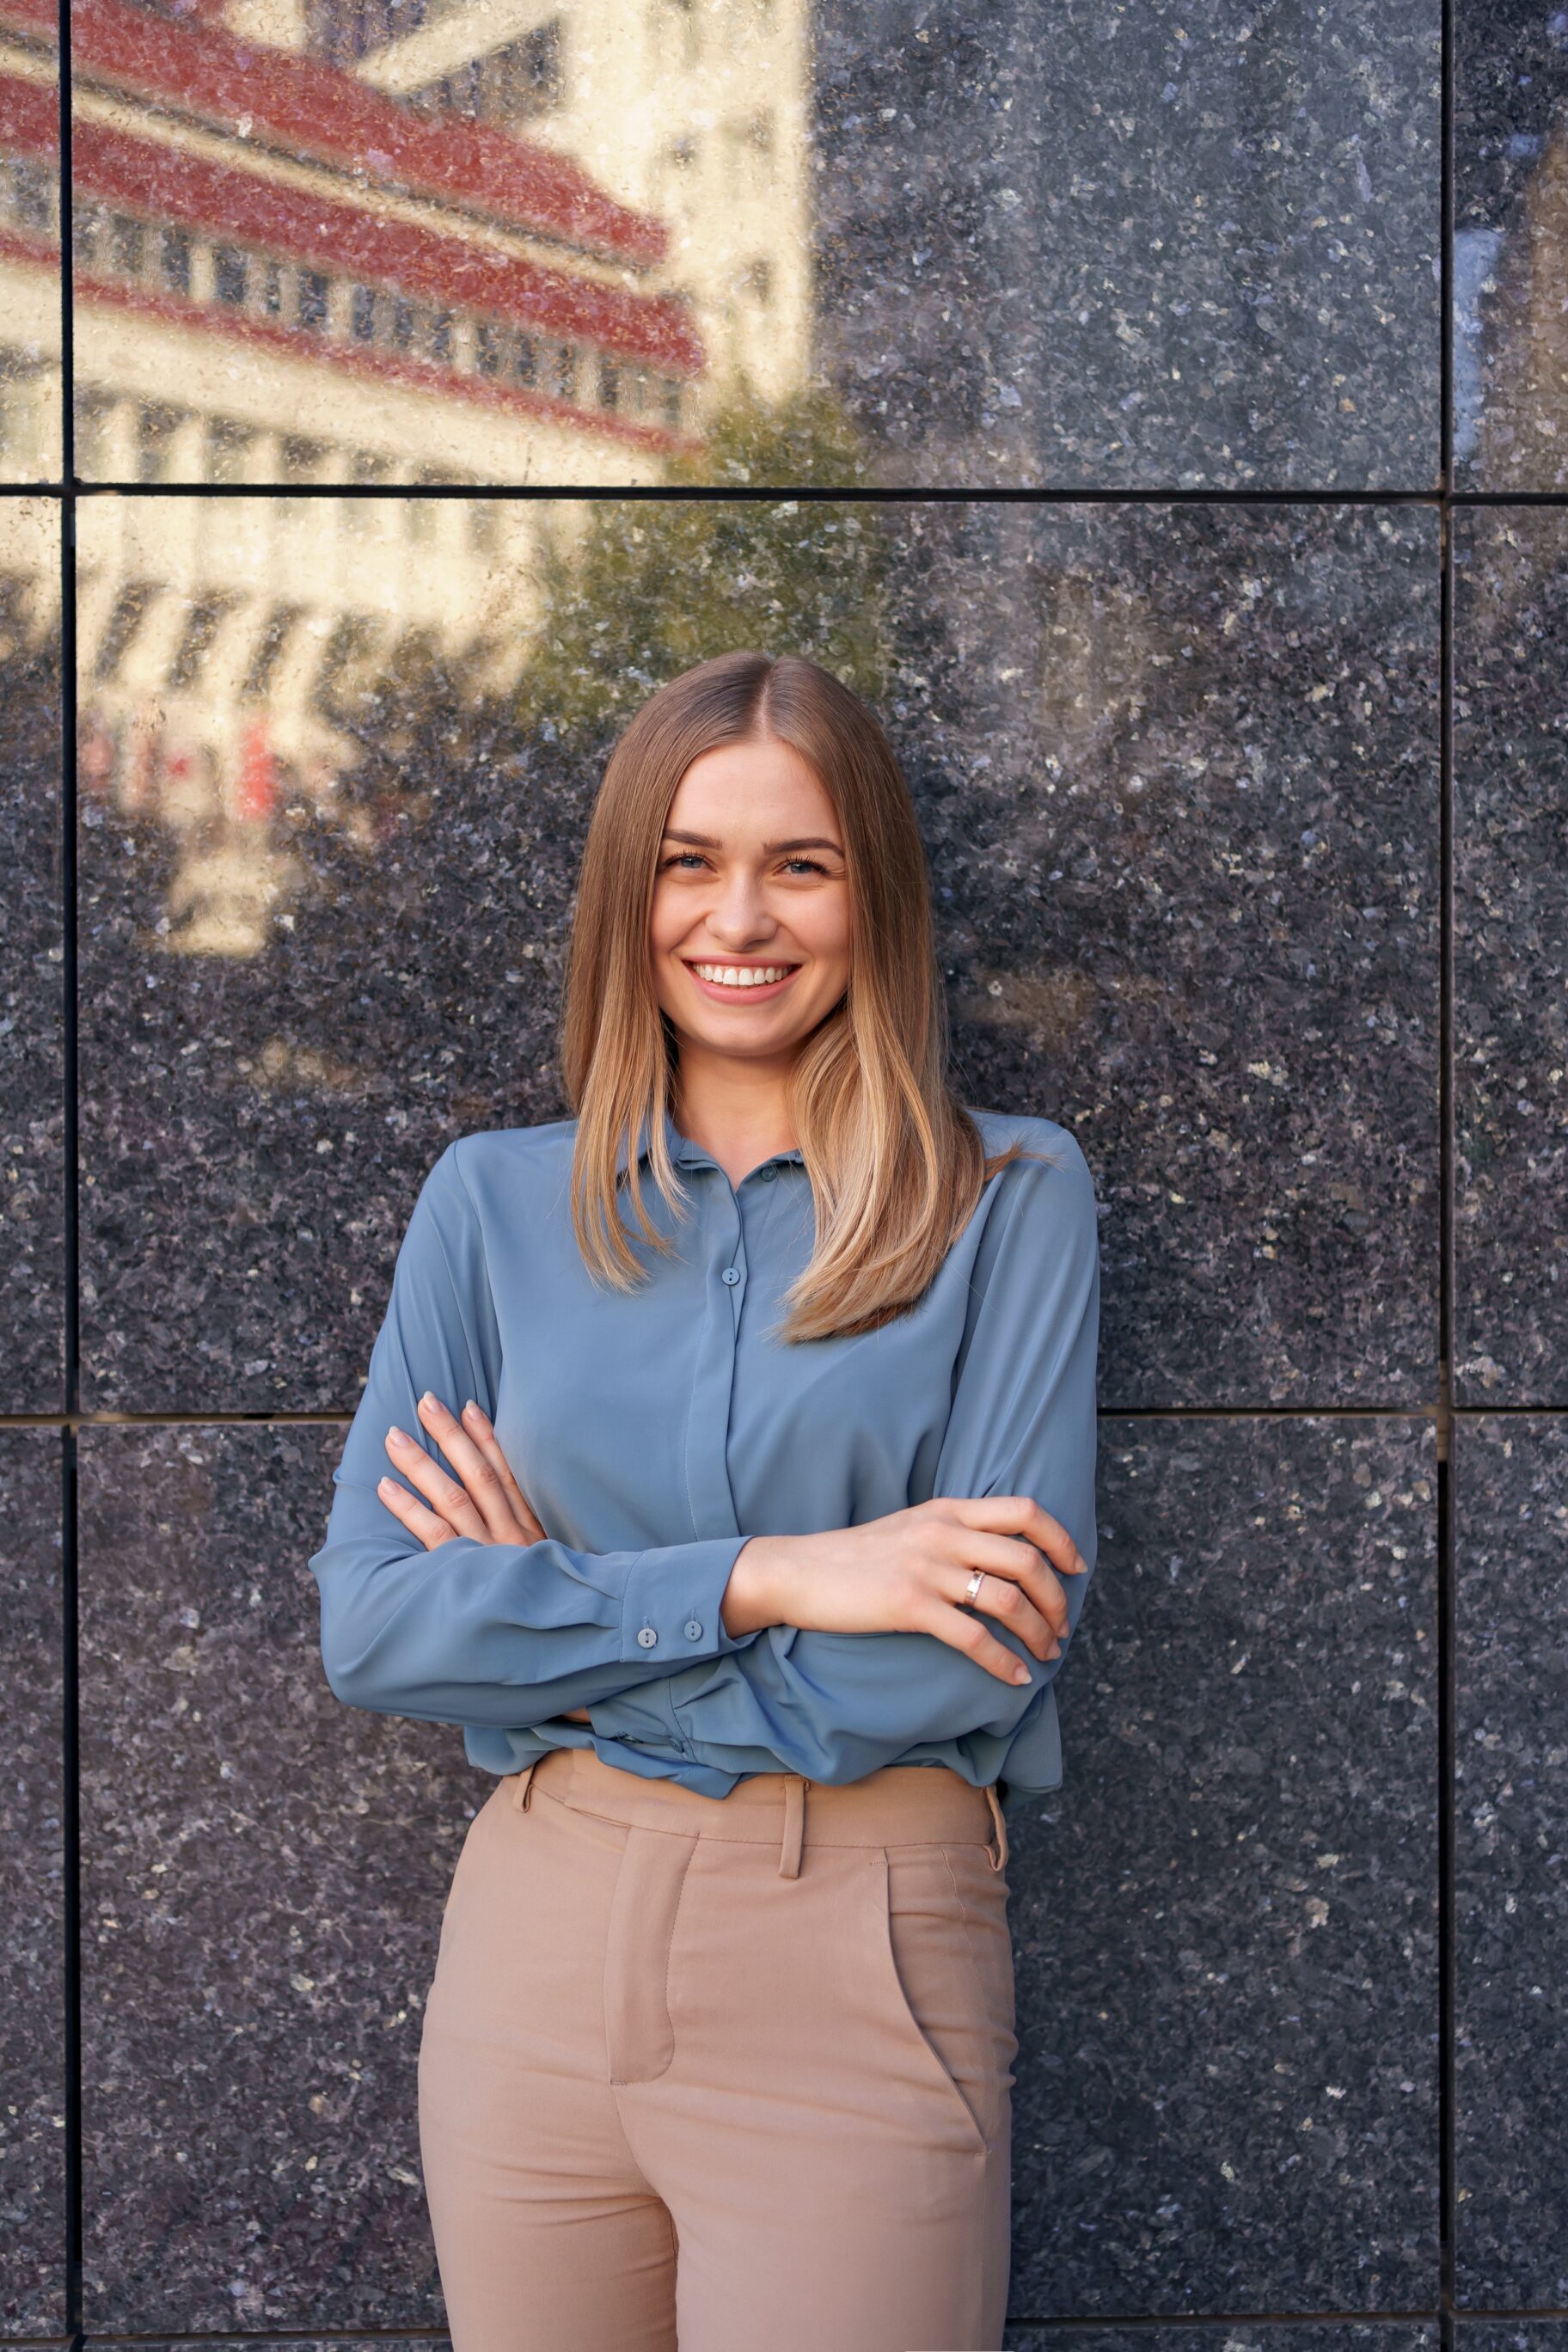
column 794, row 1825
column 522, row 1786
column 999, row 1853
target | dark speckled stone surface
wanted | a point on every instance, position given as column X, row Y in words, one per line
column 1225, row 1925
column 1511, row 246
column 1511, row 957
column 1150, row 244
column 32, row 1128
column 1178, row 772
column 1235, row 2336
column 264, row 1875
column 32, row 2004
column 1177, row 769
column 1513, row 2335
column 1511, row 1737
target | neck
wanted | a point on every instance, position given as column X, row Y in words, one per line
column 736, row 1110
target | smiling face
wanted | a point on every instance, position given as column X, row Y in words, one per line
column 749, row 932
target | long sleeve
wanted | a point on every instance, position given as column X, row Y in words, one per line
column 838, row 1706
column 478, row 1634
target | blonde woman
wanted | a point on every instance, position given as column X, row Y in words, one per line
column 726, row 1469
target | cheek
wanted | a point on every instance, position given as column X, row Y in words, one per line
column 665, row 925
column 826, row 932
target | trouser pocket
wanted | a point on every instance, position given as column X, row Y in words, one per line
column 949, row 1976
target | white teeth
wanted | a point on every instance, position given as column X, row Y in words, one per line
column 747, row 975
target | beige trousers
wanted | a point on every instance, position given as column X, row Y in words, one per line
column 727, row 2074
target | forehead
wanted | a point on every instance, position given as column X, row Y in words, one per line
column 739, row 792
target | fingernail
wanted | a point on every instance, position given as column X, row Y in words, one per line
column 1020, row 1674
column 396, row 1436
column 471, row 1408
column 429, row 1397
column 386, row 1487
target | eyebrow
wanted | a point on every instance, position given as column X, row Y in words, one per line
column 770, row 848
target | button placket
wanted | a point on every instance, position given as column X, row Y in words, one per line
column 718, row 1246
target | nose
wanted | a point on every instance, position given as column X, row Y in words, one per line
column 739, row 917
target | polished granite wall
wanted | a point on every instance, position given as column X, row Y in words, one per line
column 1222, row 636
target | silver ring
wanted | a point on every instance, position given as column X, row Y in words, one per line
column 975, row 1584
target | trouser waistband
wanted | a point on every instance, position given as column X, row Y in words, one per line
column 903, row 1804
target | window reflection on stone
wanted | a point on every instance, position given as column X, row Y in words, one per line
column 30, row 436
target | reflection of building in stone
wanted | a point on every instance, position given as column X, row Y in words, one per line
column 312, row 256
column 694, row 110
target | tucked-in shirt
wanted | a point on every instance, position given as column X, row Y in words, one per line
column 654, row 1430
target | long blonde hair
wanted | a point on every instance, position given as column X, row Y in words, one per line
column 896, row 1165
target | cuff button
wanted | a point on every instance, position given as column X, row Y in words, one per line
column 647, row 1637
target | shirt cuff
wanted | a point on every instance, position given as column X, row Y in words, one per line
column 671, row 1610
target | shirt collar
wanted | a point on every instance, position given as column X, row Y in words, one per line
column 687, row 1154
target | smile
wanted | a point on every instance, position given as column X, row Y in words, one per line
column 733, row 979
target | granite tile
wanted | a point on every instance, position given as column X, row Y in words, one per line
column 323, row 906
column 1510, row 1489
column 30, row 323
column 1235, row 2336
column 1510, row 957
column 264, row 1873
column 1177, row 771
column 32, row 1995
column 1104, row 244
column 1511, row 246
column 1511, row 2335
column 32, row 1078
column 1224, row 1924
column 1096, row 245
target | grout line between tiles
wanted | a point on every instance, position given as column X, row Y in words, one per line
column 70, row 1793
column 1446, row 1667
column 339, row 1417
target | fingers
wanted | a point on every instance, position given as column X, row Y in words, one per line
column 1007, row 1535
column 482, row 1430
column 430, row 1528
column 1019, row 1515
column 961, row 1632
column 448, row 1500
column 1011, row 1605
column 478, row 1474
column 1009, row 1561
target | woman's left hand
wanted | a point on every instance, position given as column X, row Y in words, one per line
column 483, row 1501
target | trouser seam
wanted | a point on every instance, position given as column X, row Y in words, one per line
column 964, row 1917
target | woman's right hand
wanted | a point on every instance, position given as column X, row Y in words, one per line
column 909, row 1572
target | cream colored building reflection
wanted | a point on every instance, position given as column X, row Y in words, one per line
column 371, row 245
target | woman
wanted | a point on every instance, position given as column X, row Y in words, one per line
column 741, row 1434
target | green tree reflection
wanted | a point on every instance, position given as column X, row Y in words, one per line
column 634, row 591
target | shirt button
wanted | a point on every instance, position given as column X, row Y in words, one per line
column 731, row 1276
column 647, row 1637
column 770, row 1173
column 693, row 1629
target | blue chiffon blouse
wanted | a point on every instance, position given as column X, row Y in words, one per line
column 654, row 1430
